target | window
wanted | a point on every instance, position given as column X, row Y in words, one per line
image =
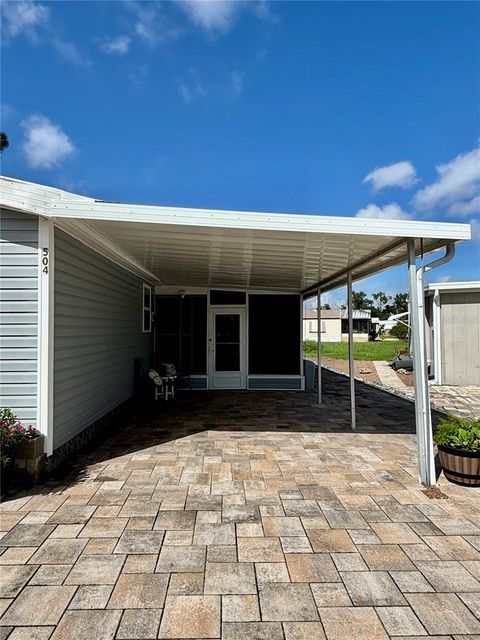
column 227, row 297
column 147, row 309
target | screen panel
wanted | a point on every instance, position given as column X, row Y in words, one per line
column 274, row 334
column 181, row 332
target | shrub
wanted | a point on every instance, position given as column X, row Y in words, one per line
column 399, row 331
column 458, row 433
column 13, row 434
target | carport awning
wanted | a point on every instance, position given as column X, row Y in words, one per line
column 207, row 248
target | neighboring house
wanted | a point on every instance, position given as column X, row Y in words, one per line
column 362, row 324
column 452, row 312
column 331, row 323
column 334, row 324
column 91, row 288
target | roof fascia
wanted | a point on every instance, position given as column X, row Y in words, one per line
column 335, row 225
column 473, row 285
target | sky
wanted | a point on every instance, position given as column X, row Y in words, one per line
column 368, row 109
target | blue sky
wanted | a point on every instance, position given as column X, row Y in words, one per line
column 339, row 108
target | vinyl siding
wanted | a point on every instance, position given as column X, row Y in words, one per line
column 19, row 313
column 460, row 322
column 98, row 334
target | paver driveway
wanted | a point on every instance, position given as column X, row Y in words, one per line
column 245, row 516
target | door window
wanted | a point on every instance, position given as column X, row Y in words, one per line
column 227, row 342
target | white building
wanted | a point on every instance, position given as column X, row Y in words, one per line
column 334, row 325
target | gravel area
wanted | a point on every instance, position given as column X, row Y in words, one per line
column 406, row 378
column 364, row 369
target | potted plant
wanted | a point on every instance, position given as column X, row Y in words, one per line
column 15, row 438
column 458, row 442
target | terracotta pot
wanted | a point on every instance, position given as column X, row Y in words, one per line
column 31, row 450
column 460, row 467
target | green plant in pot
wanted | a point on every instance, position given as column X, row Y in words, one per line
column 458, row 442
column 15, row 437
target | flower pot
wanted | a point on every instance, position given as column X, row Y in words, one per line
column 32, row 449
column 459, row 466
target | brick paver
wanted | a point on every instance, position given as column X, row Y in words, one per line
column 245, row 516
column 463, row 401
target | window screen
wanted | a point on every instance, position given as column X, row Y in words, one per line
column 274, row 334
column 181, row 332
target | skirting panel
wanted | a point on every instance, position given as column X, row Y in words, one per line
column 187, row 384
column 79, row 441
column 275, row 383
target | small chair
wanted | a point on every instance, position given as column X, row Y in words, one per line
column 164, row 385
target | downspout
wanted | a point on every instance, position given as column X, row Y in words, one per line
column 437, row 338
column 422, row 402
column 449, row 254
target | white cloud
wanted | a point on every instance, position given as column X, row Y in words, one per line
column 32, row 19
column 119, row 45
column 68, row 51
column 150, row 23
column 45, row 145
column 392, row 211
column 465, row 208
column 236, row 81
column 213, row 16
column 218, row 16
column 23, row 17
column 457, row 189
column 189, row 91
column 184, row 92
column 145, row 23
column 400, row 174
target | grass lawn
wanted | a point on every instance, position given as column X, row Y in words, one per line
column 381, row 350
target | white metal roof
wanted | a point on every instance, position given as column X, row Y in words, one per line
column 464, row 286
column 358, row 314
column 210, row 248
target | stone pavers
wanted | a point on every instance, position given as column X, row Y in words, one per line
column 245, row 516
column 388, row 377
column 463, row 401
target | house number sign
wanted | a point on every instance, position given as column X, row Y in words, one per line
column 45, row 259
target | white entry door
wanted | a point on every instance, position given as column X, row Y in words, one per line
column 227, row 361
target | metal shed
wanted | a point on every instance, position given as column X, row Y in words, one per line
column 453, row 332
